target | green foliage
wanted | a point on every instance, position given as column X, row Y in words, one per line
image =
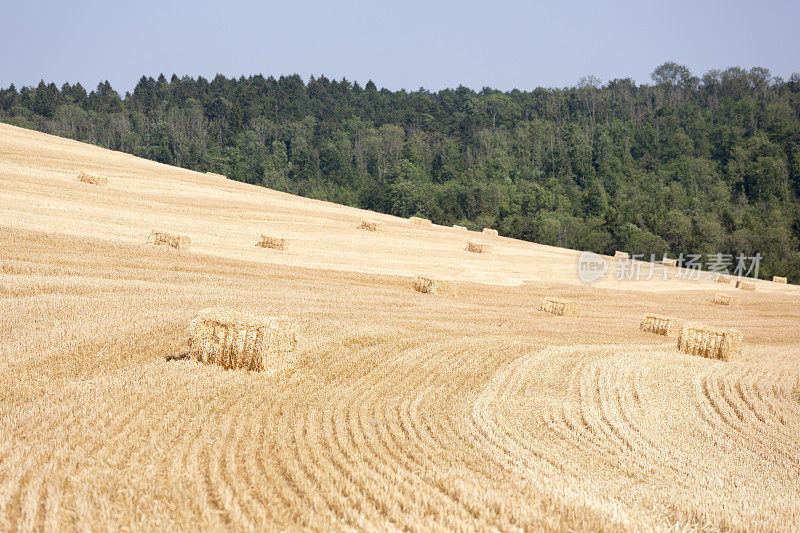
column 687, row 165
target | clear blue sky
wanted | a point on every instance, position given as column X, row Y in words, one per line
column 404, row 44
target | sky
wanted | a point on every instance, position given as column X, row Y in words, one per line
column 399, row 45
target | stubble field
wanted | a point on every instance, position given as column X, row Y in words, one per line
column 405, row 411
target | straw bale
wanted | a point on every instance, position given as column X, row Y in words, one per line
column 560, row 307
column 479, row 247
column 275, row 243
column 711, row 342
column 660, row 325
column 428, row 285
column 85, row 177
column 745, row 285
column 726, row 299
column 179, row 242
column 372, row 225
column 234, row 339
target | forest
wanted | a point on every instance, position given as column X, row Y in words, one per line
column 682, row 165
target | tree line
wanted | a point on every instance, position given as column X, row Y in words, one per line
column 685, row 164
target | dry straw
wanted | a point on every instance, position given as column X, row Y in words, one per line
column 489, row 231
column 233, row 339
column 85, row 177
column 179, row 242
column 372, row 225
column 558, row 307
column 722, row 278
column 621, row 255
column 669, row 262
column 746, row 285
column 434, row 286
column 711, row 342
column 778, row 279
column 417, row 221
column 656, row 324
column 273, row 242
column 726, row 299
column 460, row 228
column 478, row 247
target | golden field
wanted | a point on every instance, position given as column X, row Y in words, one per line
column 403, row 410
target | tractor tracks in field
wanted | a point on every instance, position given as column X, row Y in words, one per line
column 753, row 406
column 442, row 431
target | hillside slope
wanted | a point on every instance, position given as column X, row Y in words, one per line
column 40, row 191
column 404, row 411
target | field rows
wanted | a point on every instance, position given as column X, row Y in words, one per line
column 430, row 413
column 404, row 411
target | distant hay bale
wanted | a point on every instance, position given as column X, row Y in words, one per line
column 722, row 278
column 669, row 262
column 556, row 306
column 179, row 242
column 223, row 176
column 273, row 242
column 778, row 279
column 85, row 177
column 489, row 231
column 746, row 285
column 479, row 247
column 372, row 225
column 656, row 324
column 417, row 221
column 431, row 286
column 460, row 228
column 233, row 339
column 621, row 255
column 726, row 299
column 711, row 342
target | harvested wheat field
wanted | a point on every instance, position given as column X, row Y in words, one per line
column 394, row 410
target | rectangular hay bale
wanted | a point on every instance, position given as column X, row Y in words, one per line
column 745, row 285
column 233, row 339
column 417, row 221
column 726, row 299
column 657, row 324
column 85, row 177
column 711, row 342
column 621, row 255
column 459, row 228
column 372, row 225
column 778, row 279
column 557, row 306
column 427, row 285
column 722, row 278
column 669, row 262
column 275, row 243
column 179, row 242
column 478, row 247
column 489, row 231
